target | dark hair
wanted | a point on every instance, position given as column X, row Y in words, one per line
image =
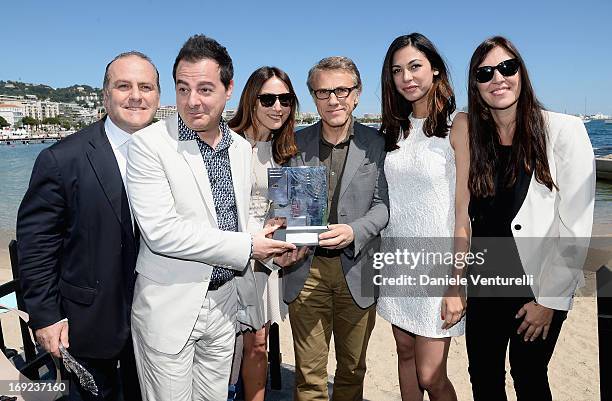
column 334, row 63
column 529, row 140
column 200, row 47
column 143, row 56
column 283, row 139
column 396, row 109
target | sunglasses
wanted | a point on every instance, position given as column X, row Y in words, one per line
column 268, row 99
column 507, row 68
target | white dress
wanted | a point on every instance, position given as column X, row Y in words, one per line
column 268, row 282
column 421, row 178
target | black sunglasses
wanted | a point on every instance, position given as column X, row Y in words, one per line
column 507, row 68
column 268, row 99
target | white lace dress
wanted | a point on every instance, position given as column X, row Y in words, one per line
column 421, row 177
column 268, row 282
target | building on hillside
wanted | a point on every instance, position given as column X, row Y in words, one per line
column 40, row 109
column 78, row 113
column 11, row 99
column 308, row 117
column 12, row 113
column 165, row 111
column 228, row 114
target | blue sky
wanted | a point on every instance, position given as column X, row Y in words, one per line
column 567, row 45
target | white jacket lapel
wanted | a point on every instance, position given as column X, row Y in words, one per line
column 236, row 160
column 191, row 153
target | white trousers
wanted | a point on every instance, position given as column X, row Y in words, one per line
column 200, row 371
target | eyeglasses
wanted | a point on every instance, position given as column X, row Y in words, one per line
column 268, row 99
column 340, row 92
column 507, row 68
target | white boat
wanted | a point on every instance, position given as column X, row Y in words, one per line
column 18, row 134
column 603, row 168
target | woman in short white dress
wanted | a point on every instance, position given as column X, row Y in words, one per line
column 266, row 118
column 427, row 169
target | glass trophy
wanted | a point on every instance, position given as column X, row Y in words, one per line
column 299, row 196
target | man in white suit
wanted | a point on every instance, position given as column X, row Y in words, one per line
column 189, row 186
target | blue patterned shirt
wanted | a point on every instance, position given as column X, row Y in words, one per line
column 218, row 166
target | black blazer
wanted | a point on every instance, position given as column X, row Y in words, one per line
column 76, row 246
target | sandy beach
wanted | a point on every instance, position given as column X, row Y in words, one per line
column 573, row 370
column 10, row 324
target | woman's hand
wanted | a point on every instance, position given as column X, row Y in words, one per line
column 290, row 258
column 453, row 307
column 537, row 320
column 278, row 222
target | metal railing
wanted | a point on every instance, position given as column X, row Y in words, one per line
column 33, row 358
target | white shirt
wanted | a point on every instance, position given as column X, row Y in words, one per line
column 120, row 142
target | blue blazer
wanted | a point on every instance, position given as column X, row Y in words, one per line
column 76, row 245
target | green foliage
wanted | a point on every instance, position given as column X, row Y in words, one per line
column 51, row 121
column 44, row 92
column 3, row 122
column 65, row 123
column 27, row 120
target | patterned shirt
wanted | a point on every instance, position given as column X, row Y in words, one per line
column 218, row 166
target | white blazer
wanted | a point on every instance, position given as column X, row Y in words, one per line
column 171, row 198
column 552, row 228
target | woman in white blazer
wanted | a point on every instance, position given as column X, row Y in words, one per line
column 532, row 186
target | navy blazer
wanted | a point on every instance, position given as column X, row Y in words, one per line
column 76, row 245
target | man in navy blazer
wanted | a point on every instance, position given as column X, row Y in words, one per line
column 77, row 243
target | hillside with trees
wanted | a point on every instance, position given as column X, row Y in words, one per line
column 46, row 92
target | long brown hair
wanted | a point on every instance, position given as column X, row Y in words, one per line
column 529, row 140
column 283, row 139
column 396, row 109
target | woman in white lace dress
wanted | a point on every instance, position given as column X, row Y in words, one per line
column 427, row 167
column 266, row 118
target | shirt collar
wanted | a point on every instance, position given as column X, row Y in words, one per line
column 349, row 135
column 187, row 134
column 116, row 136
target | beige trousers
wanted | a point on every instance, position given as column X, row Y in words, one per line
column 200, row 371
column 325, row 307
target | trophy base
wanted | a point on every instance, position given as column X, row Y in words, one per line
column 300, row 235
